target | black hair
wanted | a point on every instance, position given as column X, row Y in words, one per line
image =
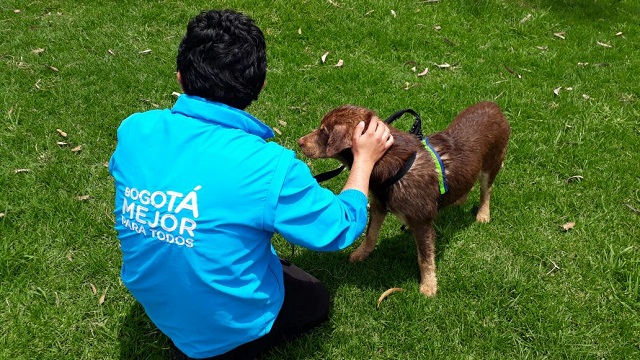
column 223, row 58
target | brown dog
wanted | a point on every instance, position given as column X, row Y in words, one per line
column 471, row 149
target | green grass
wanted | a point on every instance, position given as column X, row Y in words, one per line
column 519, row 287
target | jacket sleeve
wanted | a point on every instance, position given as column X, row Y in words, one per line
column 311, row 216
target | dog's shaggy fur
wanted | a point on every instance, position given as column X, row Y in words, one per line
column 472, row 149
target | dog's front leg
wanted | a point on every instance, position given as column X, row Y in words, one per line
column 424, row 235
column 377, row 215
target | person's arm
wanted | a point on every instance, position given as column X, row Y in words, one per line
column 314, row 217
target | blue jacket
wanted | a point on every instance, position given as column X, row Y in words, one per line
column 199, row 194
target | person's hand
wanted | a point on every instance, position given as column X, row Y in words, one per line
column 370, row 145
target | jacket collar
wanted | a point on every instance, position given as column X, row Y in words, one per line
column 218, row 113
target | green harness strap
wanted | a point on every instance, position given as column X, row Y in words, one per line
column 439, row 166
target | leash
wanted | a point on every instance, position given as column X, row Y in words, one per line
column 329, row 174
column 416, row 129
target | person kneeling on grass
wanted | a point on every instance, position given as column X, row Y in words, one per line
column 200, row 193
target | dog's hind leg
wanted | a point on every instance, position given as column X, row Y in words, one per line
column 486, row 178
column 484, row 213
column 378, row 213
column 425, row 241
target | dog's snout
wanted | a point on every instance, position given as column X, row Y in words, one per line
column 301, row 142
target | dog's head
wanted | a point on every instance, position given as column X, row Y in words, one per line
column 335, row 131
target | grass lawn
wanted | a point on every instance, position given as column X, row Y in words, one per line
column 565, row 72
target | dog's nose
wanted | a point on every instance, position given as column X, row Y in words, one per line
column 301, row 142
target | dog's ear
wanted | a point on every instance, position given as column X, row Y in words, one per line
column 339, row 139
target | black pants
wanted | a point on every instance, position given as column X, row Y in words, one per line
column 306, row 305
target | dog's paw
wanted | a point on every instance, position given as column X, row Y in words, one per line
column 429, row 285
column 428, row 290
column 359, row 255
column 483, row 218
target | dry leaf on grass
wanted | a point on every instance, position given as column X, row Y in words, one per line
column 526, row 18
column 93, row 289
column 387, row 293
column 340, row 63
column 511, row 71
column 145, row 52
column 568, row 226
column 175, row 93
column 554, row 268
column 556, row 91
column 61, row 143
column 83, row 197
column 1, row 215
column 77, row 149
column 53, row 68
column 111, row 52
column 604, row 45
column 283, row 123
column 16, row 11
column 559, row 35
column 299, row 31
column 586, row 97
column 323, row 58
column 19, row 171
column 408, row 85
column 627, row 205
column 448, row 41
column 437, row 28
column 575, row 178
column 619, row 33
column 277, row 131
column 61, row 133
column 147, row 101
column 101, row 300
column 424, row 72
column 37, row 51
column 369, row 12
column 443, row 66
column 393, row 13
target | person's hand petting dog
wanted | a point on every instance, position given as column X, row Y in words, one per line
column 368, row 147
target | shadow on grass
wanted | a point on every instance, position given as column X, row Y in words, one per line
column 394, row 260
column 140, row 339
